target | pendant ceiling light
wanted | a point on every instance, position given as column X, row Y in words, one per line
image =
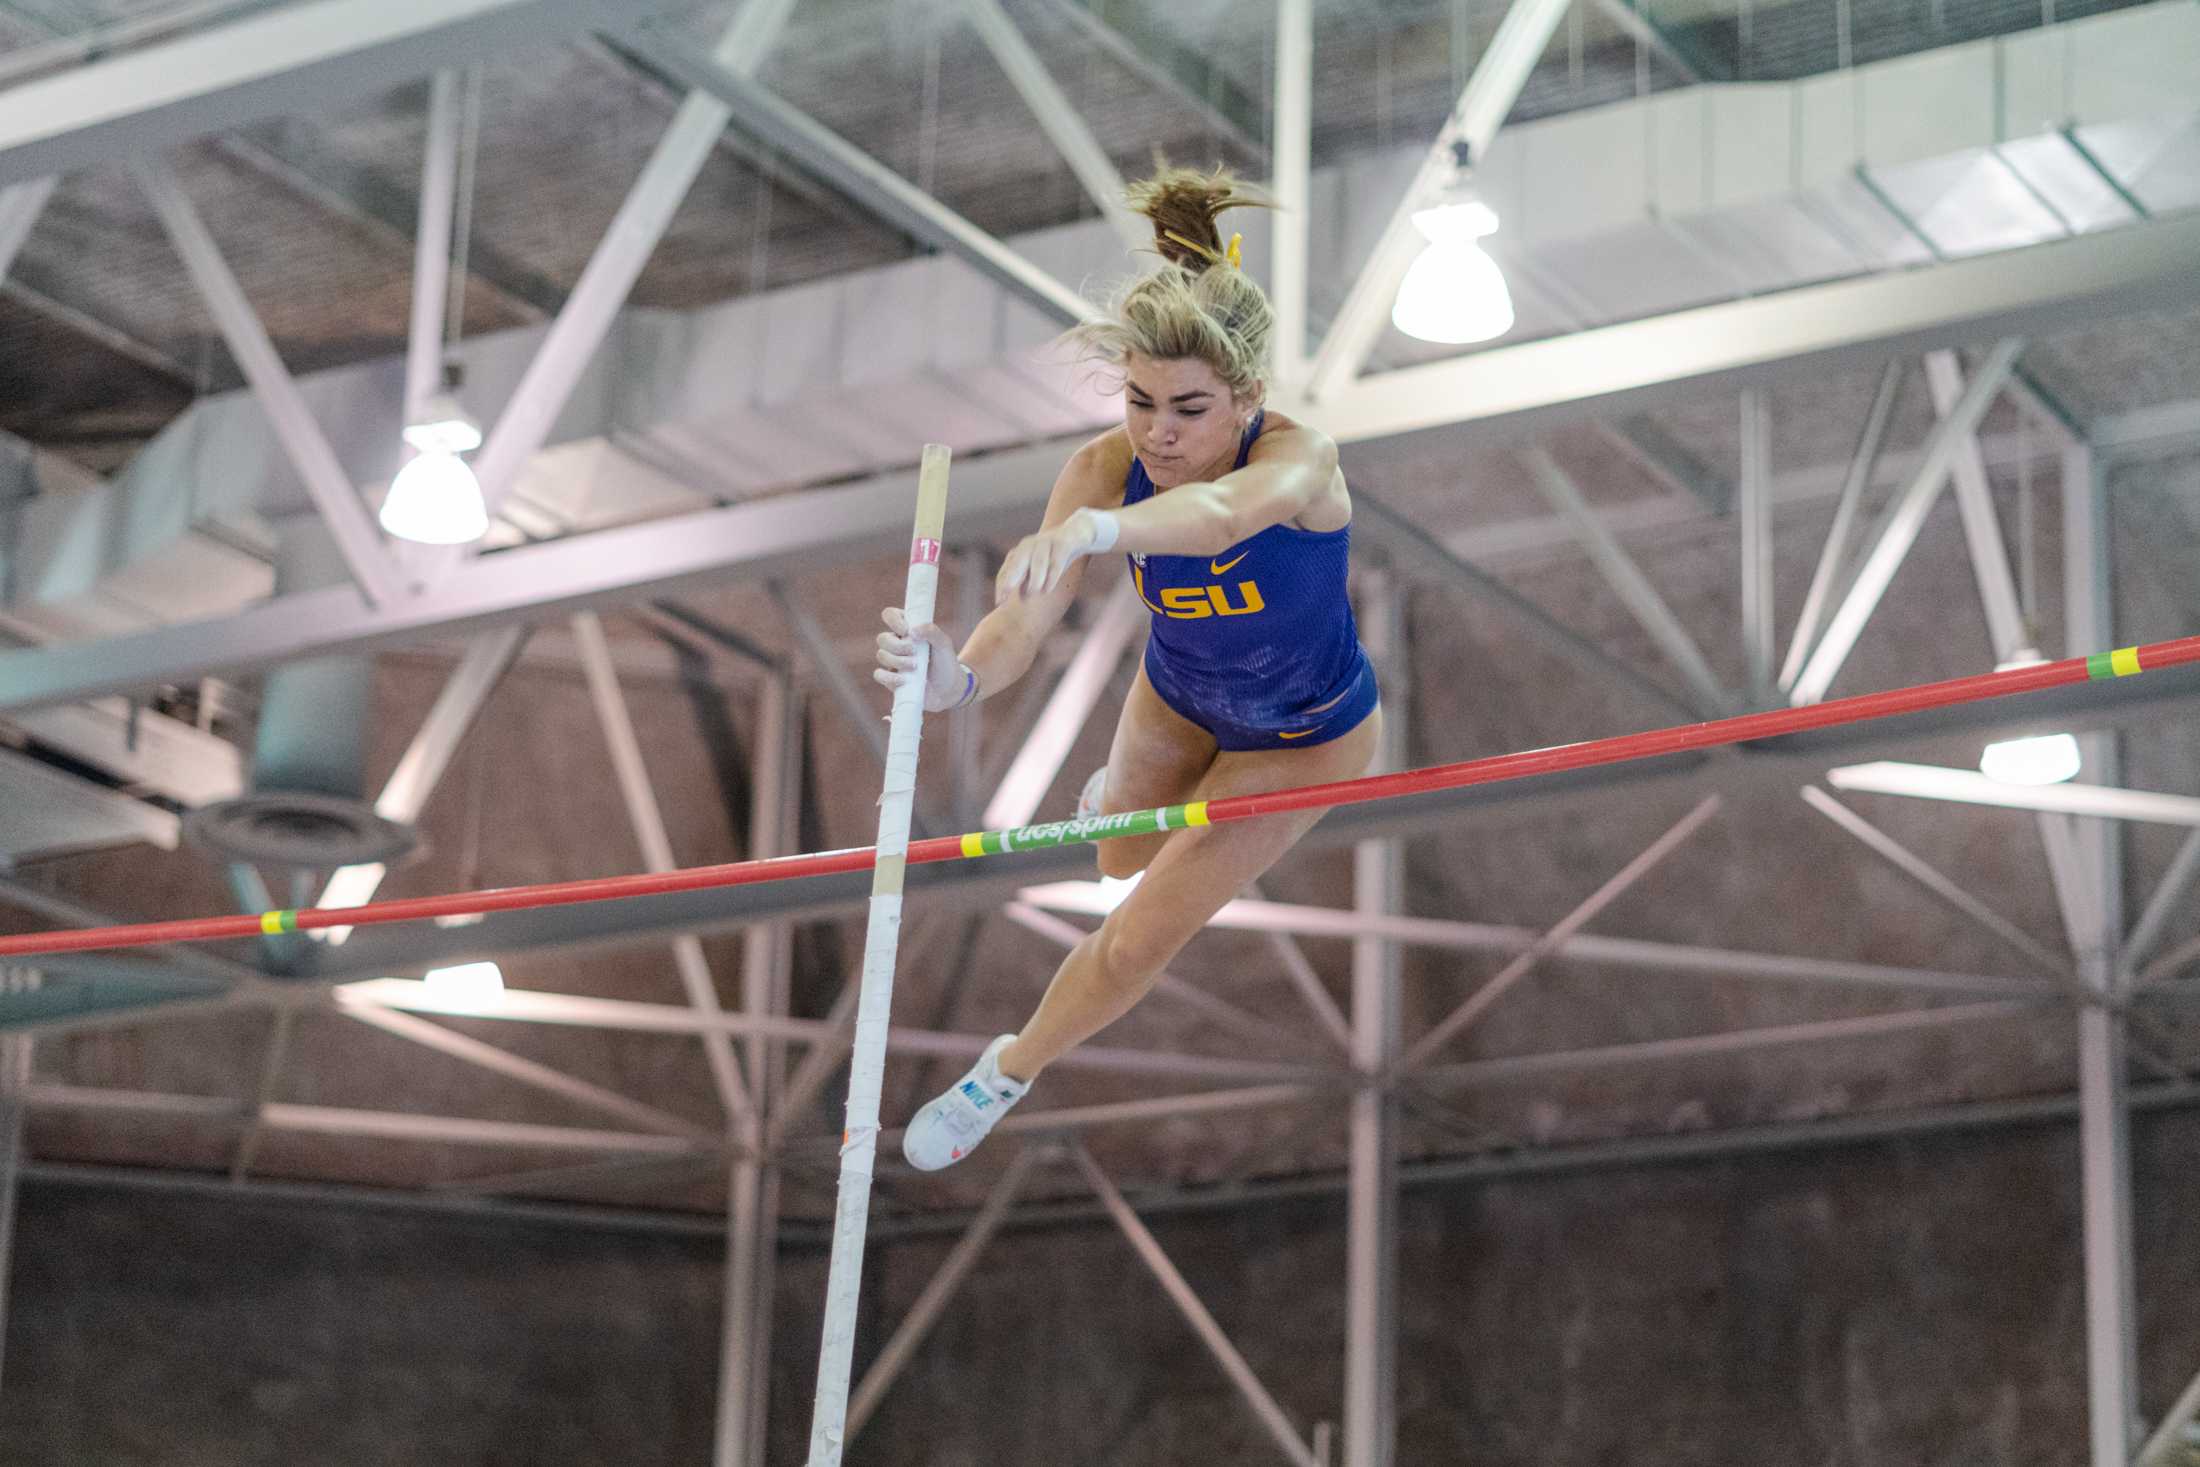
column 1454, row 293
column 435, row 500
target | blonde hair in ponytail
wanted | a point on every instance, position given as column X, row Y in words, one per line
column 1199, row 304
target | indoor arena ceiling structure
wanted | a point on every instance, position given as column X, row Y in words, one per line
column 1857, row 344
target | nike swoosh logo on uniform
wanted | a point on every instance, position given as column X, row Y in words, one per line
column 1217, row 567
column 1302, row 733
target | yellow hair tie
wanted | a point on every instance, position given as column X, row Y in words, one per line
column 1235, row 254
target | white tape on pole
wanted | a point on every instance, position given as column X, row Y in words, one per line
column 867, row 1061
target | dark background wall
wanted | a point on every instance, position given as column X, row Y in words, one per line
column 1913, row 1302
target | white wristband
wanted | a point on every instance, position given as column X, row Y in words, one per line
column 1105, row 530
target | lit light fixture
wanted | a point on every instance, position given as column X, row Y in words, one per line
column 436, row 500
column 2048, row 759
column 1454, row 293
column 442, row 426
column 472, row 985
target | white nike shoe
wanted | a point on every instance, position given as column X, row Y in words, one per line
column 950, row 1127
column 1095, row 790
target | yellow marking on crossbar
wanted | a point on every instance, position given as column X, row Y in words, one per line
column 1196, row 813
column 2124, row 661
column 271, row 924
column 974, row 843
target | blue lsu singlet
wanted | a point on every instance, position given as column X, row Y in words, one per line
column 1256, row 645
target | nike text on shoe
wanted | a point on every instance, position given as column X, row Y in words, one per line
column 951, row 1126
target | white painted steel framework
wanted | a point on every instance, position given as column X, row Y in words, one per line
column 1371, row 1187
column 1465, row 136
column 647, row 818
column 1058, row 117
column 2104, row 1112
column 602, row 290
column 292, row 420
column 285, row 59
column 127, row 106
column 15, row 1079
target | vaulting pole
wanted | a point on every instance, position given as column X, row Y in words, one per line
column 867, row 1061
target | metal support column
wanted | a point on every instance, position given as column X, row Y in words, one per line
column 1756, row 533
column 2104, row 1138
column 1371, row 1198
column 1292, row 187
column 752, row 1235
column 745, row 1328
column 15, row 1084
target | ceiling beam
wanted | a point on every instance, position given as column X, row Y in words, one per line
column 1788, row 333
column 784, row 537
column 296, row 58
column 1783, row 336
column 833, row 160
column 995, row 494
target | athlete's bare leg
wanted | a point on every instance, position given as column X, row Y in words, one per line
column 1186, row 883
column 1158, row 758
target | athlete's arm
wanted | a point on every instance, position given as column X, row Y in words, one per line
column 1289, row 470
column 1003, row 644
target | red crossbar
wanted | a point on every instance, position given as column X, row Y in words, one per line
column 1744, row 728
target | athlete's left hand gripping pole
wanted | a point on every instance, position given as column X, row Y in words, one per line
column 867, row 1060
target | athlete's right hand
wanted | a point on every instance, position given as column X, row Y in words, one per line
column 946, row 680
